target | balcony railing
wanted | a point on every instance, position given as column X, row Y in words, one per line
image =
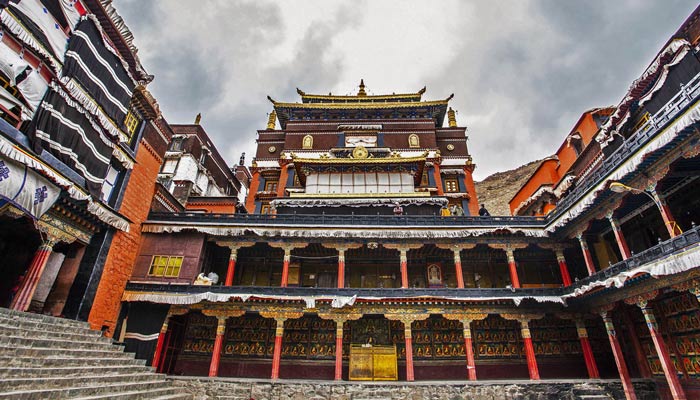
column 661, row 250
column 349, row 220
column 678, row 103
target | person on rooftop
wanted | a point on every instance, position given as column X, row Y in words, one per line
column 483, row 212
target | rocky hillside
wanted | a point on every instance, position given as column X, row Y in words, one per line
column 496, row 190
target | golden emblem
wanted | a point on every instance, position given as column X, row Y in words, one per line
column 272, row 149
column 360, row 152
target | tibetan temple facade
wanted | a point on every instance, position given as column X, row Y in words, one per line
column 352, row 248
column 347, row 265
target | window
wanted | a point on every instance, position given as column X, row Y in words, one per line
column 109, row 183
column 169, row 166
column 176, row 144
column 451, row 185
column 166, row 266
column 265, row 209
column 271, row 186
column 131, row 122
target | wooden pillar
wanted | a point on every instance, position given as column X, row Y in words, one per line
column 277, row 354
column 529, row 351
column 588, row 356
column 404, row 267
column 438, row 179
column 339, row 350
column 586, row 254
column 563, row 268
column 254, row 186
column 458, row 267
column 158, row 354
column 666, row 215
column 341, row 268
column 661, row 350
column 409, row 351
column 282, row 182
column 218, row 342
column 619, row 237
column 27, row 287
column 339, row 318
column 619, row 358
column 285, row 266
column 469, row 351
column 231, row 266
column 466, row 320
column 512, row 268
column 642, row 362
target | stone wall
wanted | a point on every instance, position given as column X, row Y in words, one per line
column 249, row 389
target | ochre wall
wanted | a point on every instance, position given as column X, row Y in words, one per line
column 123, row 250
column 544, row 174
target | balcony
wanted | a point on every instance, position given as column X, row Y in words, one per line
column 688, row 241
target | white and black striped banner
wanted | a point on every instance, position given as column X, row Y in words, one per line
column 81, row 119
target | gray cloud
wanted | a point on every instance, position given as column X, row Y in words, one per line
column 522, row 72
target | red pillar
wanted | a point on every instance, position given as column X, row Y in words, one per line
column 563, row 268
column 158, row 354
column 231, row 266
column 661, row 350
column 471, row 365
column 438, row 180
column 404, row 268
column 619, row 237
column 458, row 269
column 216, row 353
column 642, row 362
column 512, row 268
column 619, row 358
column 282, row 182
column 587, row 255
column 588, row 357
column 666, row 215
column 27, row 287
column 409, row 352
column 254, row 186
column 529, row 352
column 277, row 355
column 339, row 350
column 341, row 269
column 285, row 266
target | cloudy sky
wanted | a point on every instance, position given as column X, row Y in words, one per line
column 522, row 71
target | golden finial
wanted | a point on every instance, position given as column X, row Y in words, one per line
column 362, row 88
column 451, row 117
column 197, row 119
column 271, row 120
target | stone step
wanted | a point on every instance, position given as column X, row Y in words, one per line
column 48, row 352
column 170, row 393
column 33, row 362
column 53, row 334
column 60, row 382
column 26, row 316
column 76, row 370
column 593, row 397
column 93, row 389
column 14, row 341
column 40, row 326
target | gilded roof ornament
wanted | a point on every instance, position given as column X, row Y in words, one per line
column 362, row 92
column 198, row 119
column 272, row 117
column 300, row 92
column 451, row 117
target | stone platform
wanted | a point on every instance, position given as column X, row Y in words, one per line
column 257, row 389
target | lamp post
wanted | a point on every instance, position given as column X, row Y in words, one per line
column 671, row 225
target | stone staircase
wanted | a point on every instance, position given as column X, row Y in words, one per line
column 590, row 391
column 44, row 357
